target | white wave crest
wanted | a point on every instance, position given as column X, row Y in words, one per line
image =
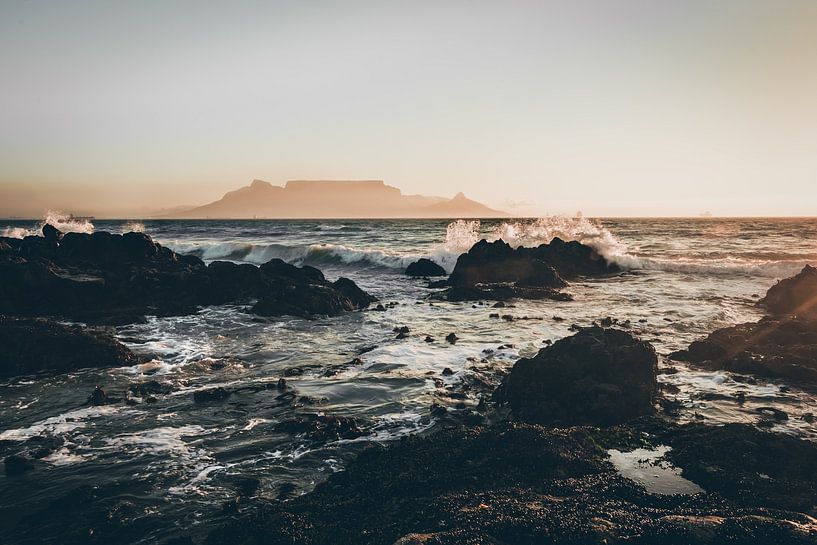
column 461, row 235
column 133, row 227
column 64, row 222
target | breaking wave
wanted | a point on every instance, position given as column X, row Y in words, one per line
column 460, row 235
column 64, row 222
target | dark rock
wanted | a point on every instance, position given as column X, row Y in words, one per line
column 211, row 394
column 500, row 292
column 29, row 346
column 497, row 263
column 429, row 339
column 451, row 338
column 598, row 377
column 117, row 279
column 526, row 485
column 51, row 233
column 424, row 267
column 775, row 348
column 151, row 387
column 796, row 295
column 543, row 266
column 17, row 465
column 322, row 427
column 98, row 397
column 447, row 372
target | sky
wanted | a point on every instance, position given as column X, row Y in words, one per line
column 625, row 108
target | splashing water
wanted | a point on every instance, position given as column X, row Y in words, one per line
column 133, row 227
column 64, row 222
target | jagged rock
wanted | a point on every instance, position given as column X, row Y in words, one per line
column 424, row 267
column 796, row 295
column 498, row 263
column 112, row 278
column 597, row 376
column 322, row 427
column 543, row 266
column 772, row 347
column 29, row 346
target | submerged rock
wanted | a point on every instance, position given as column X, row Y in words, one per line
column 424, row 267
column 29, row 346
column 17, row 465
column 598, row 376
column 322, row 427
column 112, row 278
column 796, row 295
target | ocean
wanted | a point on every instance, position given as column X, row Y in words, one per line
column 167, row 468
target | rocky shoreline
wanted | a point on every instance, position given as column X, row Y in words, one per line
column 536, row 461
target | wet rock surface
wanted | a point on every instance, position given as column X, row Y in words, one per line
column 794, row 296
column 783, row 348
column 29, row 346
column 524, row 484
column 597, row 376
column 424, row 267
column 111, row 278
column 495, row 270
column 782, row 344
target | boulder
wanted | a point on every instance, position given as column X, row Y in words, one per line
column 796, row 295
column 496, row 262
column 116, row 279
column 424, row 267
column 29, row 346
column 597, row 377
column 772, row 347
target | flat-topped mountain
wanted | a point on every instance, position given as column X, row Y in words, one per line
column 334, row 199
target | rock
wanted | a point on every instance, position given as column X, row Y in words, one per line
column 447, row 372
column 31, row 346
column 98, row 397
column 322, row 427
column 51, row 233
column 17, row 465
column 772, row 347
column 424, row 267
column 498, row 263
column 794, row 296
column 597, row 377
column 116, row 279
column 429, row 339
column 451, row 338
column 151, row 387
column 522, row 484
column 211, row 394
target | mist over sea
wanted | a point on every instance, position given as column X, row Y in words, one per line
column 169, row 465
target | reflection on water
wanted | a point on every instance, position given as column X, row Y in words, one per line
column 168, row 465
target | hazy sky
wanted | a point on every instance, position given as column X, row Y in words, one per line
column 610, row 107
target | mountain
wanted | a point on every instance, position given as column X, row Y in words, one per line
column 334, row 199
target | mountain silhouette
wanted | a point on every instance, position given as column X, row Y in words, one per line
column 334, row 199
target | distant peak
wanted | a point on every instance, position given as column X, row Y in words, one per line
column 459, row 197
column 260, row 184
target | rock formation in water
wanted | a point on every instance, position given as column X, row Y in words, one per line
column 111, row 278
column 424, row 267
column 335, row 199
column 780, row 345
column 598, row 376
column 495, row 270
column 30, row 346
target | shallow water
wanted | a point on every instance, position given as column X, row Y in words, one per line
column 167, row 467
